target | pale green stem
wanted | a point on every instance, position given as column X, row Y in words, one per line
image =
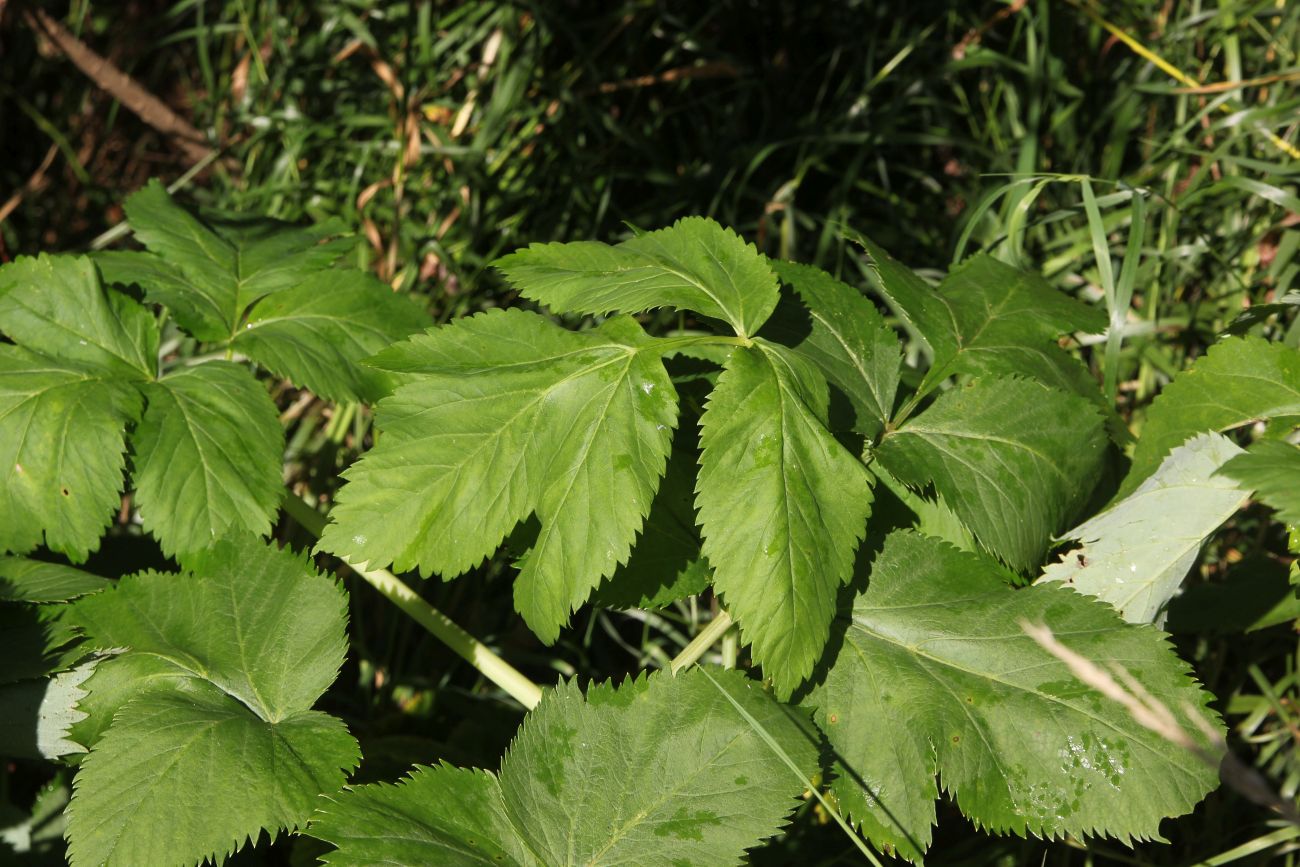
column 464, row 645
column 730, row 646
column 701, row 643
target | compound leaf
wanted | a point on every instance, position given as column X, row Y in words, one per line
column 661, row 771
column 202, row 293
column 849, row 342
column 1272, row 469
column 1240, row 379
column 782, row 505
column 1016, row 739
column 695, row 264
column 1136, row 554
column 207, row 456
column 55, row 304
column 196, row 762
column 61, row 452
column 503, row 415
column 1013, row 459
column 317, row 333
column 211, row 270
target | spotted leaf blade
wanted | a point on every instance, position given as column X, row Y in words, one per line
column 660, row 771
column 504, row 415
column 695, row 264
column 1014, row 737
column 782, row 505
column 203, row 733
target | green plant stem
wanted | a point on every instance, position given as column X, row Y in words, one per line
column 701, row 643
column 464, row 645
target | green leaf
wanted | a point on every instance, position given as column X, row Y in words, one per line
column 662, row 772
column 202, row 295
column 217, row 269
column 1136, row 554
column 1238, row 380
column 196, row 762
column 1272, row 469
column 1006, row 320
column 849, row 342
column 274, row 255
column 317, row 333
column 504, row 415
column 1013, row 459
column 207, row 456
column 782, row 504
column 61, row 452
column 987, row 317
column 665, row 564
column 23, row 580
column 693, row 265
column 55, row 304
column 915, row 301
column 1020, row 744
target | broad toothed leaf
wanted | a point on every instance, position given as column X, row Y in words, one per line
column 55, row 305
column 213, row 738
column 849, row 342
column 504, row 415
column 782, row 505
column 695, row 264
column 216, row 270
column 1136, row 554
column 936, row 675
column 1271, row 469
column 662, row 771
column 318, row 333
column 207, row 456
column 1013, row 459
column 1238, row 380
column 61, row 452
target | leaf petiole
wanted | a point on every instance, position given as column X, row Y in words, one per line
column 442, row 627
column 701, row 643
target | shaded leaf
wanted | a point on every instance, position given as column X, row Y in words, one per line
column 23, row 580
column 849, row 342
column 1012, row 459
column 55, row 304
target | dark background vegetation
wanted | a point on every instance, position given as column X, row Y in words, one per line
column 448, row 133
